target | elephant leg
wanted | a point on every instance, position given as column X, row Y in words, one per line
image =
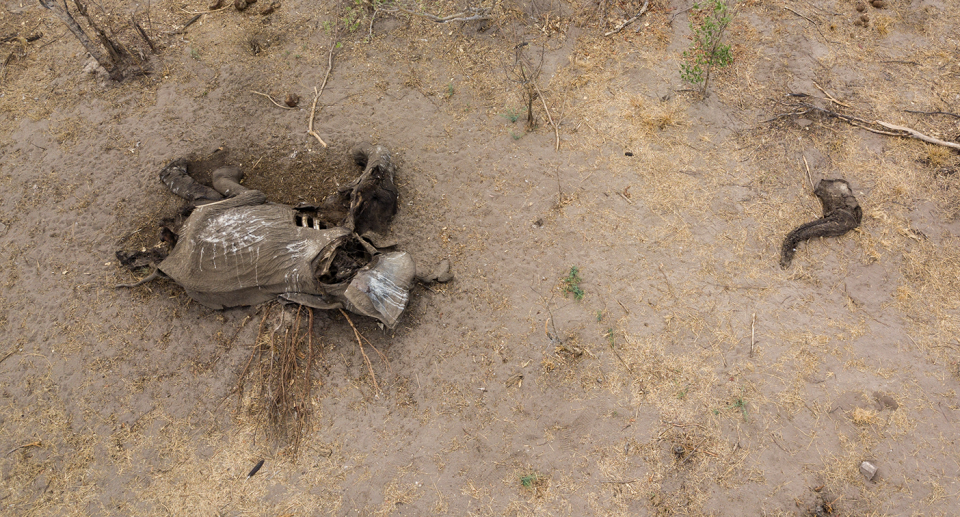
column 175, row 177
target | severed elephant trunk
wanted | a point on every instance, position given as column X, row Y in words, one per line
column 841, row 213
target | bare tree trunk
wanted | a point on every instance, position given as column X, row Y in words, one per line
column 60, row 10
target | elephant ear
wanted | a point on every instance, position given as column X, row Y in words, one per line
column 382, row 288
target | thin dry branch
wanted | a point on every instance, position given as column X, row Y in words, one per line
column 933, row 113
column 360, row 344
column 468, row 15
column 815, row 24
column 316, row 97
column 143, row 34
column 835, row 101
column 183, row 30
column 277, row 104
column 894, row 130
column 556, row 129
column 912, row 133
column 631, row 20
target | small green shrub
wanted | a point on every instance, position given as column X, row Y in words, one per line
column 572, row 283
column 707, row 50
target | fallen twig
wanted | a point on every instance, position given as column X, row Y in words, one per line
column 275, row 103
column 360, row 344
column 313, row 109
column 919, row 136
column 835, row 101
column 15, row 37
column 631, row 20
column 753, row 333
column 933, row 113
column 815, row 24
column 894, row 130
column 469, row 15
column 15, row 350
column 809, row 178
column 206, row 12
column 190, row 22
column 24, row 446
column 143, row 34
column 556, row 129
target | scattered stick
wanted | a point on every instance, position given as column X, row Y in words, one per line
column 275, row 103
column 895, row 130
column 631, row 20
column 933, row 113
column 815, row 24
column 191, row 21
column 753, row 333
column 835, row 101
column 24, row 446
column 916, row 134
column 556, row 129
column 809, row 178
column 360, row 344
column 143, row 34
column 206, row 12
column 313, row 109
column 15, row 350
column 14, row 37
column 469, row 15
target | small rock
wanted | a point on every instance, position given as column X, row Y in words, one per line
column 441, row 273
column 861, row 7
column 879, row 4
column 292, row 100
column 868, row 469
column 217, row 4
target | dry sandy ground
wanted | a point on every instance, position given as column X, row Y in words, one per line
column 695, row 376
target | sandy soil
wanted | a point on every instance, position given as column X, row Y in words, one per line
column 694, row 377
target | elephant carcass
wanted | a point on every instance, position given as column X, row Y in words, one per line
column 244, row 250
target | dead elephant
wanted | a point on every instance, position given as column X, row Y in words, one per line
column 841, row 213
column 235, row 248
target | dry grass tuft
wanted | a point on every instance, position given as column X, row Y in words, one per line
column 864, row 417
